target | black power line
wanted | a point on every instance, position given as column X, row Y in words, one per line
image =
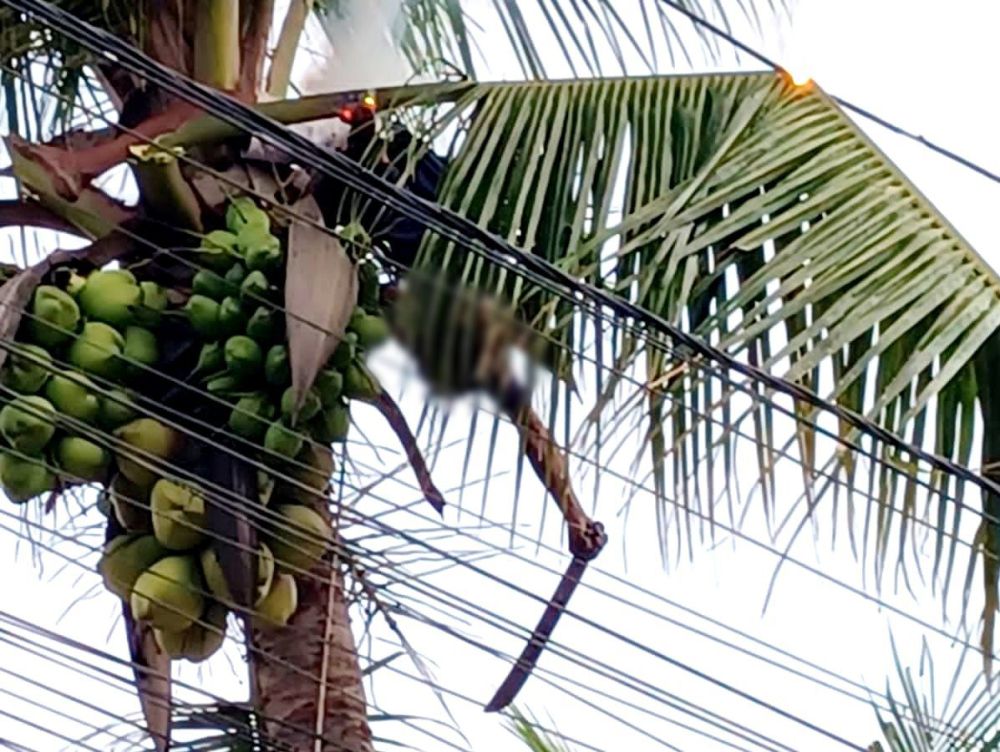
column 448, row 223
column 846, row 104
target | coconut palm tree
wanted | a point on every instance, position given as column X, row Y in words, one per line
column 741, row 209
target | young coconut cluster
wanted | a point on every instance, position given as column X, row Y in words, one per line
column 101, row 326
column 79, row 369
column 168, row 572
column 237, row 308
column 165, row 566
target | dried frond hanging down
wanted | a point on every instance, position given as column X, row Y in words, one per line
column 151, row 668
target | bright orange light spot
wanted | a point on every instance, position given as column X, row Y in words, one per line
column 800, row 78
column 369, row 101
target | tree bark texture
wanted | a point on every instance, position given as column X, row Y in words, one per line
column 308, row 682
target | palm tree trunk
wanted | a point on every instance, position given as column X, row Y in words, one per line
column 307, row 679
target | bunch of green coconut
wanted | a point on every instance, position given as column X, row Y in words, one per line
column 237, row 306
column 74, row 385
column 62, row 383
column 168, row 571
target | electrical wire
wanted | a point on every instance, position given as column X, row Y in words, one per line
column 48, row 731
column 511, row 628
column 702, row 415
column 746, row 389
column 410, row 583
column 232, row 501
column 66, row 641
column 899, row 130
column 242, row 730
column 562, row 688
column 446, row 222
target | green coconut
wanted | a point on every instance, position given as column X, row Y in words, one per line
column 28, row 423
column 368, row 286
column 299, row 537
column 235, row 276
column 277, row 366
column 329, row 385
column 243, row 357
column 218, row 250
column 242, row 213
column 168, row 595
column 24, row 478
column 74, row 394
column 55, row 316
column 232, row 317
column 97, row 350
column 312, row 470
column 251, row 416
column 141, row 349
column 255, row 287
column 372, row 331
column 200, row 641
column 82, row 459
column 261, row 250
column 279, row 439
column 146, row 439
column 227, row 384
column 332, row 424
column 117, row 409
column 203, row 314
column 111, row 296
column 154, row 302
column 345, row 353
column 279, row 605
column 215, row 579
column 359, row 383
column 264, row 325
column 178, row 515
column 210, row 284
column 210, row 359
column 294, row 415
column 125, row 558
column 27, row 369
column 130, row 504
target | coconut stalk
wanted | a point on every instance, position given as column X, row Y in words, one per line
column 165, row 192
column 280, row 72
column 217, row 44
column 255, row 23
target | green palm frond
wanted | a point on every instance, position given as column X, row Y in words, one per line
column 528, row 732
column 968, row 719
column 586, row 38
column 41, row 71
column 757, row 216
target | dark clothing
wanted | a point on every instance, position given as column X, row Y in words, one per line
column 341, row 205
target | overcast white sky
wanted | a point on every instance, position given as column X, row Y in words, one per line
column 929, row 66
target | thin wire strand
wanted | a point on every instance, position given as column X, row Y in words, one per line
column 446, row 222
column 509, row 628
column 744, row 388
column 899, row 130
